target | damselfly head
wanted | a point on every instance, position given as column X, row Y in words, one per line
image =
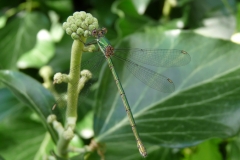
column 99, row 32
column 102, row 32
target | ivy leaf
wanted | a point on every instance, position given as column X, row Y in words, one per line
column 19, row 36
column 9, row 104
column 21, row 133
column 40, row 54
column 205, row 103
column 31, row 93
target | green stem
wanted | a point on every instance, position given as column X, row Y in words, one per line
column 74, row 75
column 72, row 94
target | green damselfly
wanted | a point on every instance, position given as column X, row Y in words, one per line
column 158, row 57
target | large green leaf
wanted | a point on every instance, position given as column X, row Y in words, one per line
column 9, row 104
column 204, row 105
column 23, row 138
column 40, row 54
column 32, row 93
column 19, row 36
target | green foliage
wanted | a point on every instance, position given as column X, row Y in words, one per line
column 182, row 125
column 19, row 36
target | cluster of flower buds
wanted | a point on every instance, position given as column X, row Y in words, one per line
column 80, row 24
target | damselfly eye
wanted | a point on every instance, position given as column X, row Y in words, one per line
column 94, row 32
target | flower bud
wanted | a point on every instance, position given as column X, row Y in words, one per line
column 80, row 24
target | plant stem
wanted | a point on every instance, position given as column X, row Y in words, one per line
column 72, row 94
column 74, row 75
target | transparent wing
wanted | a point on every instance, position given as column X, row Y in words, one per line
column 149, row 77
column 156, row 57
column 94, row 62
